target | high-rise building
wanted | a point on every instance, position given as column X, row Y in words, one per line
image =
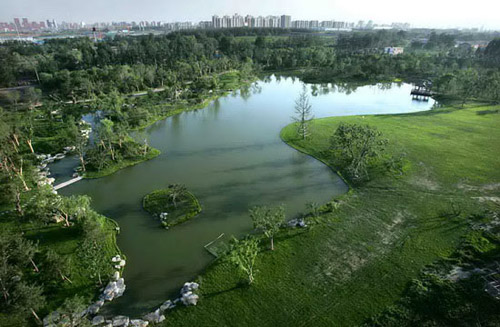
column 286, row 21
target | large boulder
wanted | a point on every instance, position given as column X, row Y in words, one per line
column 120, row 287
column 189, row 287
column 167, row 305
column 189, row 298
column 138, row 323
column 154, row 317
column 95, row 307
column 98, row 320
column 121, row 321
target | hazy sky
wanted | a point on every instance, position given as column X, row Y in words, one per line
column 432, row 13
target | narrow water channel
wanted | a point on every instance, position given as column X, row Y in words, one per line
column 231, row 157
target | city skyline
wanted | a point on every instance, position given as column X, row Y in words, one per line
column 427, row 14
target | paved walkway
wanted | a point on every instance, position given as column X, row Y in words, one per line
column 71, row 181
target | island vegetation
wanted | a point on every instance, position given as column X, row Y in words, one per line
column 172, row 205
column 422, row 208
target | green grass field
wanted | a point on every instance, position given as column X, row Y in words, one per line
column 360, row 258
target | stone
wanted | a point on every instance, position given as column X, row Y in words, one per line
column 116, row 258
column 138, row 323
column 121, row 321
column 120, row 287
column 122, row 263
column 154, row 317
column 98, row 320
column 110, row 288
column 189, row 286
column 59, row 156
column 189, row 298
column 297, row 223
column 166, row 306
column 116, row 275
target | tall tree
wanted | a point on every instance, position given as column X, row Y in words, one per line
column 303, row 113
column 268, row 220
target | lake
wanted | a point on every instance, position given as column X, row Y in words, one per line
column 230, row 156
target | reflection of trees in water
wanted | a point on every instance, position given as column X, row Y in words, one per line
column 256, row 88
column 384, row 86
column 245, row 92
column 346, row 88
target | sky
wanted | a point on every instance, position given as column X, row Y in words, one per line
column 429, row 13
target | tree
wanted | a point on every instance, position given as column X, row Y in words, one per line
column 75, row 206
column 176, row 191
column 106, row 136
column 243, row 254
column 16, row 254
column 356, row 146
column 56, row 266
column 303, row 114
column 268, row 220
column 92, row 250
column 72, row 313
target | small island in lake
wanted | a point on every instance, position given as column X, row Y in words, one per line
column 172, row 205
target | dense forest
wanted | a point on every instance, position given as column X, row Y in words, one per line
column 130, row 82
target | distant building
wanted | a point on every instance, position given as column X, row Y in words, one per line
column 286, row 21
column 393, row 50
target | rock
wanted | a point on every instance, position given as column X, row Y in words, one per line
column 75, row 175
column 120, row 287
column 122, row 263
column 299, row 222
column 98, row 320
column 116, row 275
column 95, row 307
column 154, row 317
column 138, row 323
column 189, row 298
column 59, row 156
column 166, row 306
column 121, row 321
column 189, row 286
column 116, row 258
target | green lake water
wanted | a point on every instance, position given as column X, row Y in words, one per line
column 230, row 156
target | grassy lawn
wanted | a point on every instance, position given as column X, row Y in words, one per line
column 359, row 259
column 186, row 207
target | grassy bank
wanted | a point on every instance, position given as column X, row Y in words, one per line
column 362, row 256
column 185, row 208
column 115, row 166
column 229, row 82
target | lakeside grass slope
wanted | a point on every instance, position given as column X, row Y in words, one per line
column 361, row 257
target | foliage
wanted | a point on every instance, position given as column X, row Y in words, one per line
column 243, row 254
column 355, row 148
column 268, row 220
